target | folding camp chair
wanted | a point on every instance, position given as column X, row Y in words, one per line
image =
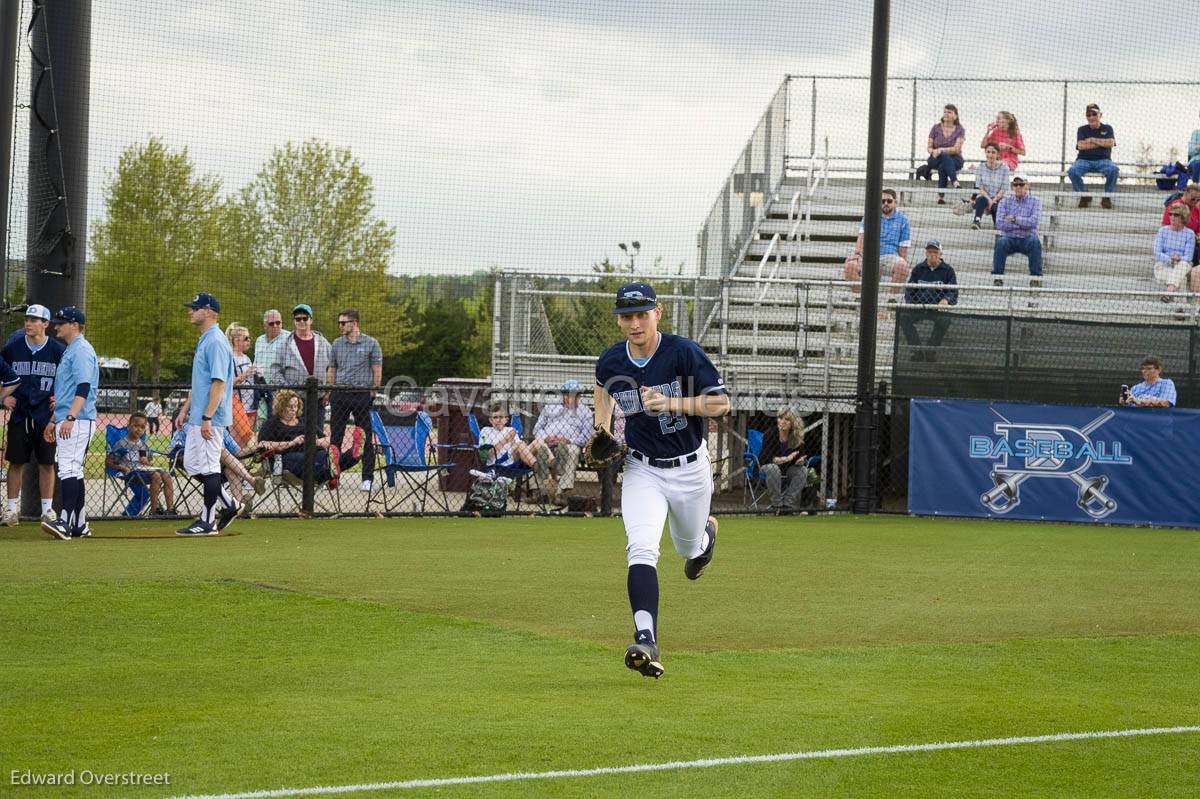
column 405, row 450
column 134, row 493
column 524, row 478
column 754, row 491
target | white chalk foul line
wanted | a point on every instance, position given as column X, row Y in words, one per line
column 682, row 764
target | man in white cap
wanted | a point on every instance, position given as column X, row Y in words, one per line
column 564, row 427
column 34, row 356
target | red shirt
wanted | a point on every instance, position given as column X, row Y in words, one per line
column 308, row 351
column 1193, row 223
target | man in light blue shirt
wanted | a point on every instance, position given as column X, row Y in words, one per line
column 211, row 412
column 895, row 237
column 1017, row 219
column 75, row 383
column 1154, row 391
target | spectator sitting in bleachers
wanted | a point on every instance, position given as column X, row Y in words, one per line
column 1173, row 249
column 1017, row 218
column 931, row 272
column 1194, row 156
column 895, row 236
column 944, row 146
column 1095, row 142
column 1155, row 391
column 991, row 180
column 130, row 458
column 1006, row 135
column 1190, row 199
column 563, row 428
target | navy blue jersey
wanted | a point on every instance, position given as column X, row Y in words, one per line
column 678, row 368
column 36, row 370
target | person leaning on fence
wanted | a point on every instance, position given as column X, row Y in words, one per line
column 782, row 461
column 1155, row 391
column 991, row 182
column 944, row 146
column 895, row 237
column 304, row 353
column 1095, row 142
column 243, row 368
column 266, row 352
column 563, row 428
column 130, row 459
column 282, row 436
column 34, row 356
column 931, row 272
column 1017, row 218
column 355, row 359
column 1006, row 135
column 1174, row 247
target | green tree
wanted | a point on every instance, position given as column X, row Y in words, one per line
column 306, row 227
column 156, row 245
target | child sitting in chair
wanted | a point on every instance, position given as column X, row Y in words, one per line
column 502, row 443
column 130, row 458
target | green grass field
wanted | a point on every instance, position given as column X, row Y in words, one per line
column 292, row 654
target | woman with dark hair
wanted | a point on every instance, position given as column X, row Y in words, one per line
column 282, row 436
column 944, row 146
column 782, row 457
column 1006, row 135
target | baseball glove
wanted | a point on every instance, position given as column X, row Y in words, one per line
column 602, row 449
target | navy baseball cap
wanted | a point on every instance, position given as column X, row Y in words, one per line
column 933, row 244
column 68, row 314
column 635, row 297
column 203, row 300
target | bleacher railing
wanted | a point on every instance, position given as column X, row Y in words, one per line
column 1048, row 111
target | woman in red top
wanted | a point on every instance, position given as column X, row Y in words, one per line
column 1006, row 135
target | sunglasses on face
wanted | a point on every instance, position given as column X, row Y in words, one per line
column 301, row 318
column 276, row 323
column 888, row 202
column 344, row 321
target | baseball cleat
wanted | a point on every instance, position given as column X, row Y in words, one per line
column 643, row 658
column 693, row 568
column 57, row 529
column 197, row 528
column 82, row 532
column 227, row 515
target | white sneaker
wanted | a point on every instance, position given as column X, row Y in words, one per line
column 366, row 485
column 11, row 518
column 48, row 516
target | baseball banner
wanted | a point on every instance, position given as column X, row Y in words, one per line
column 1054, row 462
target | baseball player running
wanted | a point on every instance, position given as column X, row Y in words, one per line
column 665, row 386
column 75, row 383
column 211, row 411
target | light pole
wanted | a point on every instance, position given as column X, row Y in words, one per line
column 632, row 252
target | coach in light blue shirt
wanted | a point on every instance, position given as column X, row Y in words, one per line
column 79, row 370
column 1154, row 391
column 213, row 361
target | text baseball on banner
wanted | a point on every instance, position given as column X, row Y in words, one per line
column 1054, row 462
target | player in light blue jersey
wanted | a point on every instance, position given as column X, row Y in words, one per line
column 666, row 387
column 76, row 382
column 211, row 412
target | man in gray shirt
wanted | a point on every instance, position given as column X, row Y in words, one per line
column 356, row 360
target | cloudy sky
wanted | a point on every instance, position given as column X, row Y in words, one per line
column 538, row 135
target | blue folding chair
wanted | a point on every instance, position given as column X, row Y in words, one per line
column 404, row 449
column 523, row 477
column 755, row 489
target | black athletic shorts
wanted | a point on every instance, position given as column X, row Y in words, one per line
column 25, row 443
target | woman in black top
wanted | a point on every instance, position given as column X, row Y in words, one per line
column 283, row 436
column 782, row 460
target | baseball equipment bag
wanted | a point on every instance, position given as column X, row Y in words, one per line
column 488, row 496
column 602, row 449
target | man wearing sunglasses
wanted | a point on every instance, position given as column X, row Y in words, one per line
column 1095, row 142
column 356, row 360
column 304, row 353
column 266, row 352
column 1017, row 219
column 895, row 237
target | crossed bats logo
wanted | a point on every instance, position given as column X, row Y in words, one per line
column 1048, row 451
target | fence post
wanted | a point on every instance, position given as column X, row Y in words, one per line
column 1063, row 157
column 312, row 418
column 877, row 445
